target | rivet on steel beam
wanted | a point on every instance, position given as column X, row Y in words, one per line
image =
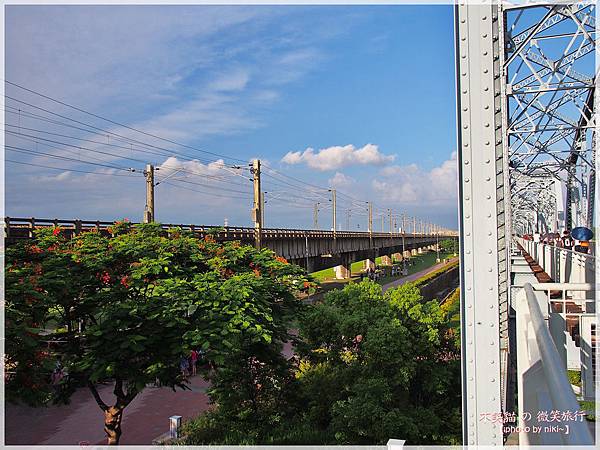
column 490, row 269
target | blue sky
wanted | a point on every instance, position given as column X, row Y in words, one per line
column 360, row 98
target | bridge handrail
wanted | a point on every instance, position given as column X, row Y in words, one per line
column 561, row 264
column 562, row 249
column 31, row 222
column 557, row 387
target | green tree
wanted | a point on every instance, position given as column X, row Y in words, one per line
column 393, row 364
column 449, row 245
column 127, row 307
column 369, row 367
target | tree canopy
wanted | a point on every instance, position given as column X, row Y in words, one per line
column 126, row 307
column 369, row 367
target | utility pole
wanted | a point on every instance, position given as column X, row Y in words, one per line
column 414, row 227
column 334, row 207
column 262, row 209
column 382, row 222
column 316, row 216
column 437, row 243
column 370, row 217
column 391, row 224
column 257, row 209
column 348, row 213
column 149, row 210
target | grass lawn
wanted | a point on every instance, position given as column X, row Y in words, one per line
column 421, row 262
column 590, row 407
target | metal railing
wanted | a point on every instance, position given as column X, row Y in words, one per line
column 20, row 227
column 542, row 379
column 561, row 264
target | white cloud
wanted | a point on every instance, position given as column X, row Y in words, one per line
column 215, row 169
column 339, row 180
column 333, row 158
column 412, row 185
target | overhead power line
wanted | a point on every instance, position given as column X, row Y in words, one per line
column 47, row 97
column 71, row 170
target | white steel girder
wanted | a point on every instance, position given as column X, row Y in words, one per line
column 525, row 97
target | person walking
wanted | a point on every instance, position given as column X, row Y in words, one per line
column 184, row 365
column 567, row 242
column 193, row 361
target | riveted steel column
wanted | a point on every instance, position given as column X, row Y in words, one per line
column 476, row 34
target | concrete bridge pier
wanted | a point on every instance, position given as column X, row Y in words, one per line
column 344, row 270
column 386, row 260
column 369, row 264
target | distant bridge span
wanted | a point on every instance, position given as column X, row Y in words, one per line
column 312, row 249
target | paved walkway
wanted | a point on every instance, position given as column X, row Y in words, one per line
column 81, row 422
column 416, row 275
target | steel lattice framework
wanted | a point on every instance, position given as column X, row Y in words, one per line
column 549, row 74
column 526, row 115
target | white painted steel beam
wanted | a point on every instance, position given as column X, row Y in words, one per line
column 481, row 170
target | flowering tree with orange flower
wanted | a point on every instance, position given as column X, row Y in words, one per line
column 126, row 307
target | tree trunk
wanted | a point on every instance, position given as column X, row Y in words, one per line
column 112, row 424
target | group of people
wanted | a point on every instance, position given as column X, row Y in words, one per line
column 189, row 364
column 565, row 240
column 372, row 273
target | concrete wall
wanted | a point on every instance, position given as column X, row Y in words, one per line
column 442, row 281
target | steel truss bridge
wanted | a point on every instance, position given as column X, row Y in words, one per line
column 526, row 78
